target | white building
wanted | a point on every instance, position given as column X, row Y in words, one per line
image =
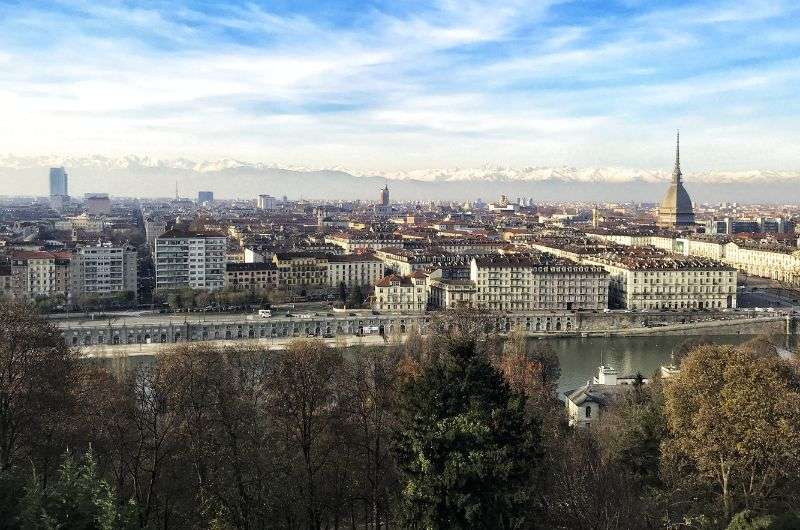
column 354, row 269
column 647, row 278
column 401, row 293
column 537, row 282
column 186, row 258
column 266, row 202
column 104, row 270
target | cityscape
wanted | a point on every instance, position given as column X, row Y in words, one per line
column 343, row 335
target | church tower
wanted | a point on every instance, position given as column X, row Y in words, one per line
column 676, row 208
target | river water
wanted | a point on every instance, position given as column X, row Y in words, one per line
column 580, row 356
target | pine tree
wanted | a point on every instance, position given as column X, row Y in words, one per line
column 464, row 448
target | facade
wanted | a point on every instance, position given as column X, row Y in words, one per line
column 537, row 282
column 354, row 270
column 646, row 278
column 39, row 273
column 585, row 405
column 6, row 282
column 59, row 182
column 301, row 269
column 98, row 204
column 676, row 208
column 266, row 202
column 401, row 293
column 782, row 265
column 251, row 276
column 153, row 228
column 448, row 293
column 186, row 258
column 104, row 270
column 352, row 242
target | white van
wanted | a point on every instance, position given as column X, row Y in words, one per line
column 264, row 313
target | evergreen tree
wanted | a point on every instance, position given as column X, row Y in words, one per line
column 77, row 500
column 356, row 297
column 464, row 448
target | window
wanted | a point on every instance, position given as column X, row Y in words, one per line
column 588, row 412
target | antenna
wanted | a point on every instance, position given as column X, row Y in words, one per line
column 176, row 191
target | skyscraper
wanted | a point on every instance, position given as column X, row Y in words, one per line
column 676, row 208
column 205, row 196
column 58, row 182
column 385, row 195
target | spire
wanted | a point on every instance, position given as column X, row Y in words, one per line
column 676, row 173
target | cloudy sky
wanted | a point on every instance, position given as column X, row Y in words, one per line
column 402, row 85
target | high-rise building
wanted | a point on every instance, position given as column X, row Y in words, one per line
column 187, row 258
column 676, row 208
column 266, row 202
column 58, row 182
column 383, row 209
column 104, row 269
column 385, row 195
column 205, row 196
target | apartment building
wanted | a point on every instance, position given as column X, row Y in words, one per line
column 401, row 293
column 6, row 282
column 649, row 278
column 188, row 258
column 301, row 269
column 251, row 276
column 533, row 282
column 354, row 269
column 352, row 242
column 40, row 273
column 104, row 269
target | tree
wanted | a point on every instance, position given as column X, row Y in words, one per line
column 356, row 297
column 733, row 426
column 77, row 500
column 38, row 375
column 342, row 292
column 464, row 448
column 304, row 398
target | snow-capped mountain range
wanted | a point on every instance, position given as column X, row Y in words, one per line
column 486, row 173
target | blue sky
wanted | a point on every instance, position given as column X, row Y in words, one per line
column 401, row 85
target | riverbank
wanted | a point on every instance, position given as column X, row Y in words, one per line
column 744, row 326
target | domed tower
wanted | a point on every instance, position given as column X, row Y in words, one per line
column 676, row 208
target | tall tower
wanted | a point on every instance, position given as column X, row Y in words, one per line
column 59, row 182
column 676, row 208
column 385, row 195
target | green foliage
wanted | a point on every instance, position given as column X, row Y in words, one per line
column 748, row 520
column 464, row 448
column 78, row 500
column 356, row 297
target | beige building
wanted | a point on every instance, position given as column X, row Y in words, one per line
column 39, row 273
column 647, row 278
column 352, row 242
column 537, row 282
column 401, row 293
column 301, row 269
column 354, row 269
column 251, row 276
column 446, row 293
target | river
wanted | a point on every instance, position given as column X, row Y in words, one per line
column 580, row 357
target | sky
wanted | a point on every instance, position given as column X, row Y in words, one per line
column 401, row 85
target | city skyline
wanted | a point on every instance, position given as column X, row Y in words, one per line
column 392, row 89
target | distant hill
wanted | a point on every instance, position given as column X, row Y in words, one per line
column 228, row 178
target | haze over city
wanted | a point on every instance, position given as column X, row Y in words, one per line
column 524, row 90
